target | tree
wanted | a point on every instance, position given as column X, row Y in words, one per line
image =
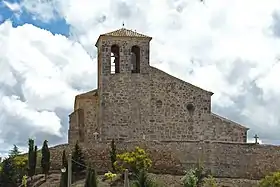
column 64, row 178
column 45, row 160
column 20, row 165
column 91, row 180
column 64, row 175
column 64, row 160
column 8, row 174
column 78, row 160
column 272, row 180
column 32, row 158
column 14, row 152
column 113, row 155
column 35, row 159
column 134, row 161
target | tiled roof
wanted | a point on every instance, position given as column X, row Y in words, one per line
column 125, row 33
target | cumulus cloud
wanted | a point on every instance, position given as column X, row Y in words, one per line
column 228, row 47
column 40, row 74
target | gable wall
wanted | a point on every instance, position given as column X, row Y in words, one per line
column 153, row 106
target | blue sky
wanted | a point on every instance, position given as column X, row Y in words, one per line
column 47, row 56
column 56, row 26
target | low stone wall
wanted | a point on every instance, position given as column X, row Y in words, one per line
column 176, row 181
column 224, row 160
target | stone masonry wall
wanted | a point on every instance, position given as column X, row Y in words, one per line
column 121, row 108
column 226, row 130
column 83, row 121
column 73, row 132
column 150, row 105
column 153, row 106
column 224, row 160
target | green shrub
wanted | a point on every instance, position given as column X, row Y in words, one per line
column 272, row 180
column 110, row 176
column 133, row 161
column 210, row 182
column 190, row 179
column 143, row 180
column 24, row 181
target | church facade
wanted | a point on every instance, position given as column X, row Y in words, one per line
column 135, row 101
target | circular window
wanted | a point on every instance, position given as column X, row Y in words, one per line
column 190, row 107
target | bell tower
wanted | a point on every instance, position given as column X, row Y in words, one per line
column 123, row 57
column 122, row 51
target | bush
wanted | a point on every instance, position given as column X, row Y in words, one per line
column 110, row 176
column 210, row 182
column 272, row 180
column 190, row 179
column 143, row 180
column 24, row 181
column 134, row 161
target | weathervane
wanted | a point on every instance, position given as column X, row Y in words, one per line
column 123, row 23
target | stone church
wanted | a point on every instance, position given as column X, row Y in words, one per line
column 135, row 101
column 139, row 105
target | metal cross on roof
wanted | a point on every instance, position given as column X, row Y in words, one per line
column 256, row 138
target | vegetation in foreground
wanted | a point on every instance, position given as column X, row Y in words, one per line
column 18, row 169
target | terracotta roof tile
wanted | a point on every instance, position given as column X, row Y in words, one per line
column 125, row 33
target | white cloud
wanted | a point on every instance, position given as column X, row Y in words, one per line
column 44, row 120
column 253, row 140
column 13, row 6
column 39, row 73
column 226, row 47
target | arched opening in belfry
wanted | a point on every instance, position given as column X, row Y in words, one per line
column 135, row 59
column 115, row 59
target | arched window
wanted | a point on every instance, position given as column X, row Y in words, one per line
column 115, row 59
column 135, row 59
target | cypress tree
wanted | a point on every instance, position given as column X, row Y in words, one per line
column 63, row 179
column 64, row 160
column 88, row 179
column 45, row 161
column 64, row 175
column 31, row 158
column 78, row 162
column 113, row 155
column 35, row 159
column 91, row 180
